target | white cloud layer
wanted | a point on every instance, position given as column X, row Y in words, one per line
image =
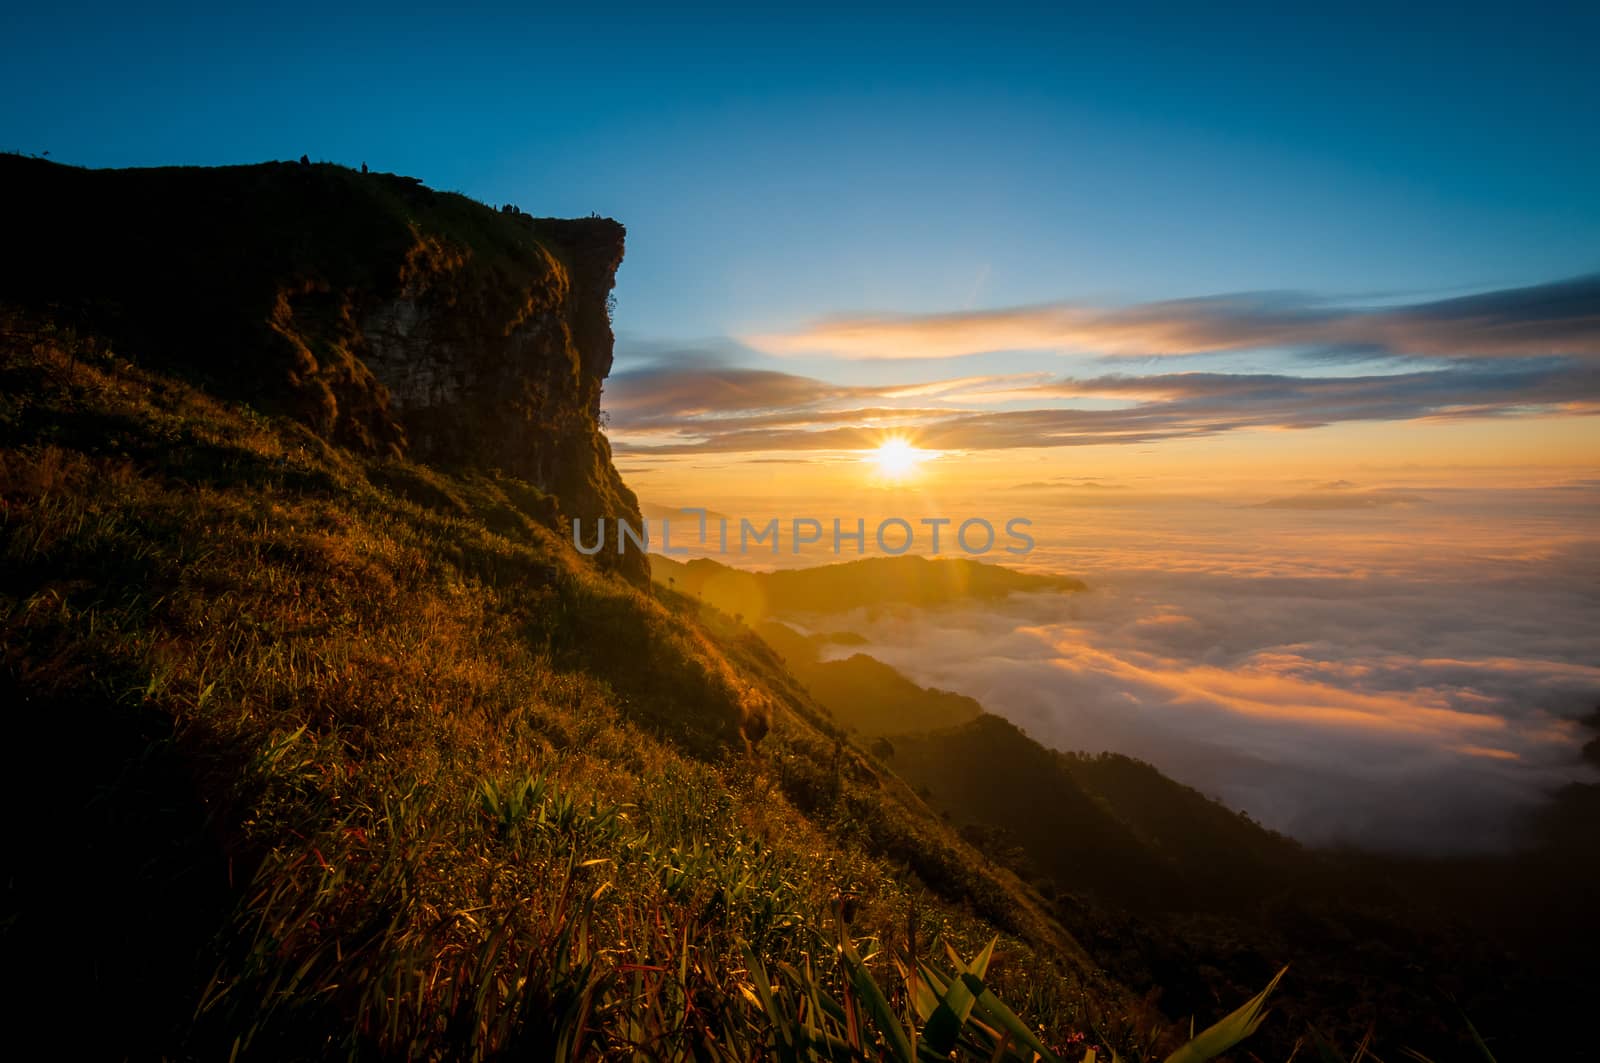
column 1420, row 693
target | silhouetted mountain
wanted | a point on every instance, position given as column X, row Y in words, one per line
column 864, row 694
column 835, row 588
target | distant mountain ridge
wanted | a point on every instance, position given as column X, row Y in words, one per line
column 840, row 587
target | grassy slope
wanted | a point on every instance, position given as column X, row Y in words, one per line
column 351, row 755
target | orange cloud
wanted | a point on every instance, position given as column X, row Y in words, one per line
column 1561, row 318
column 1263, row 689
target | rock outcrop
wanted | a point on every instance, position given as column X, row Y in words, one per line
column 390, row 318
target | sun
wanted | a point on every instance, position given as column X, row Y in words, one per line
column 896, row 458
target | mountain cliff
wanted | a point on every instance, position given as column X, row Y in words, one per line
column 385, row 316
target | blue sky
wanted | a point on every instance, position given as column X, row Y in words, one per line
column 772, row 167
column 780, row 168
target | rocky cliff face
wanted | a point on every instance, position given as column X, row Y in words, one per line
column 390, row 318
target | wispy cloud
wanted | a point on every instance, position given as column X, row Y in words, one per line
column 729, row 409
column 1560, row 318
column 667, row 393
column 1329, row 500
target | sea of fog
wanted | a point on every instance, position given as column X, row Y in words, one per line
column 1399, row 671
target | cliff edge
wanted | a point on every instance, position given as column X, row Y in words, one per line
column 388, row 317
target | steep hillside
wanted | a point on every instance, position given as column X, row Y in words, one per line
column 350, row 755
column 1107, row 825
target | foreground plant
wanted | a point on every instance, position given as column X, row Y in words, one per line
column 946, row 1014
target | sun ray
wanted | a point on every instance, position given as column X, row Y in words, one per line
column 896, row 458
